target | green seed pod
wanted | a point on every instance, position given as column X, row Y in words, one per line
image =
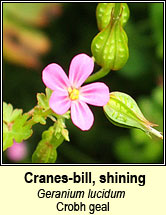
column 110, row 46
column 103, row 14
column 123, row 111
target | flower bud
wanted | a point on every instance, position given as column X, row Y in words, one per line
column 110, row 46
column 123, row 111
column 103, row 14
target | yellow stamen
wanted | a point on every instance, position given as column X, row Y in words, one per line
column 73, row 93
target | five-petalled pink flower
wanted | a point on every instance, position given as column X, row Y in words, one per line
column 68, row 92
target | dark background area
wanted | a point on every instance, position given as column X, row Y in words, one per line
column 70, row 31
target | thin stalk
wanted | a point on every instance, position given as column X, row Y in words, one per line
column 100, row 74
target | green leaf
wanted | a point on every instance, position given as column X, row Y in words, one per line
column 8, row 114
column 123, row 111
column 14, row 126
column 20, row 130
column 42, row 110
column 7, row 111
column 16, row 113
column 7, row 137
column 43, row 99
column 37, row 116
column 46, row 149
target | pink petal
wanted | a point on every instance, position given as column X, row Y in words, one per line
column 95, row 94
column 54, row 77
column 80, row 68
column 81, row 115
column 59, row 102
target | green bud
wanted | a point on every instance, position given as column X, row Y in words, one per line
column 123, row 111
column 110, row 46
column 103, row 14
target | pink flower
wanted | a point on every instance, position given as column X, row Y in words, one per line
column 17, row 152
column 68, row 93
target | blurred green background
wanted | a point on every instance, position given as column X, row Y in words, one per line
column 36, row 34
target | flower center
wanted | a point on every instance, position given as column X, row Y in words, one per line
column 73, row 93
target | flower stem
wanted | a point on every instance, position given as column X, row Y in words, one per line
column 100, row 74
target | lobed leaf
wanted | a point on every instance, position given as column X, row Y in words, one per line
column 43, row 99
column 14, row 126
column 20, row 130
column 8, row 114
column 37, row 116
